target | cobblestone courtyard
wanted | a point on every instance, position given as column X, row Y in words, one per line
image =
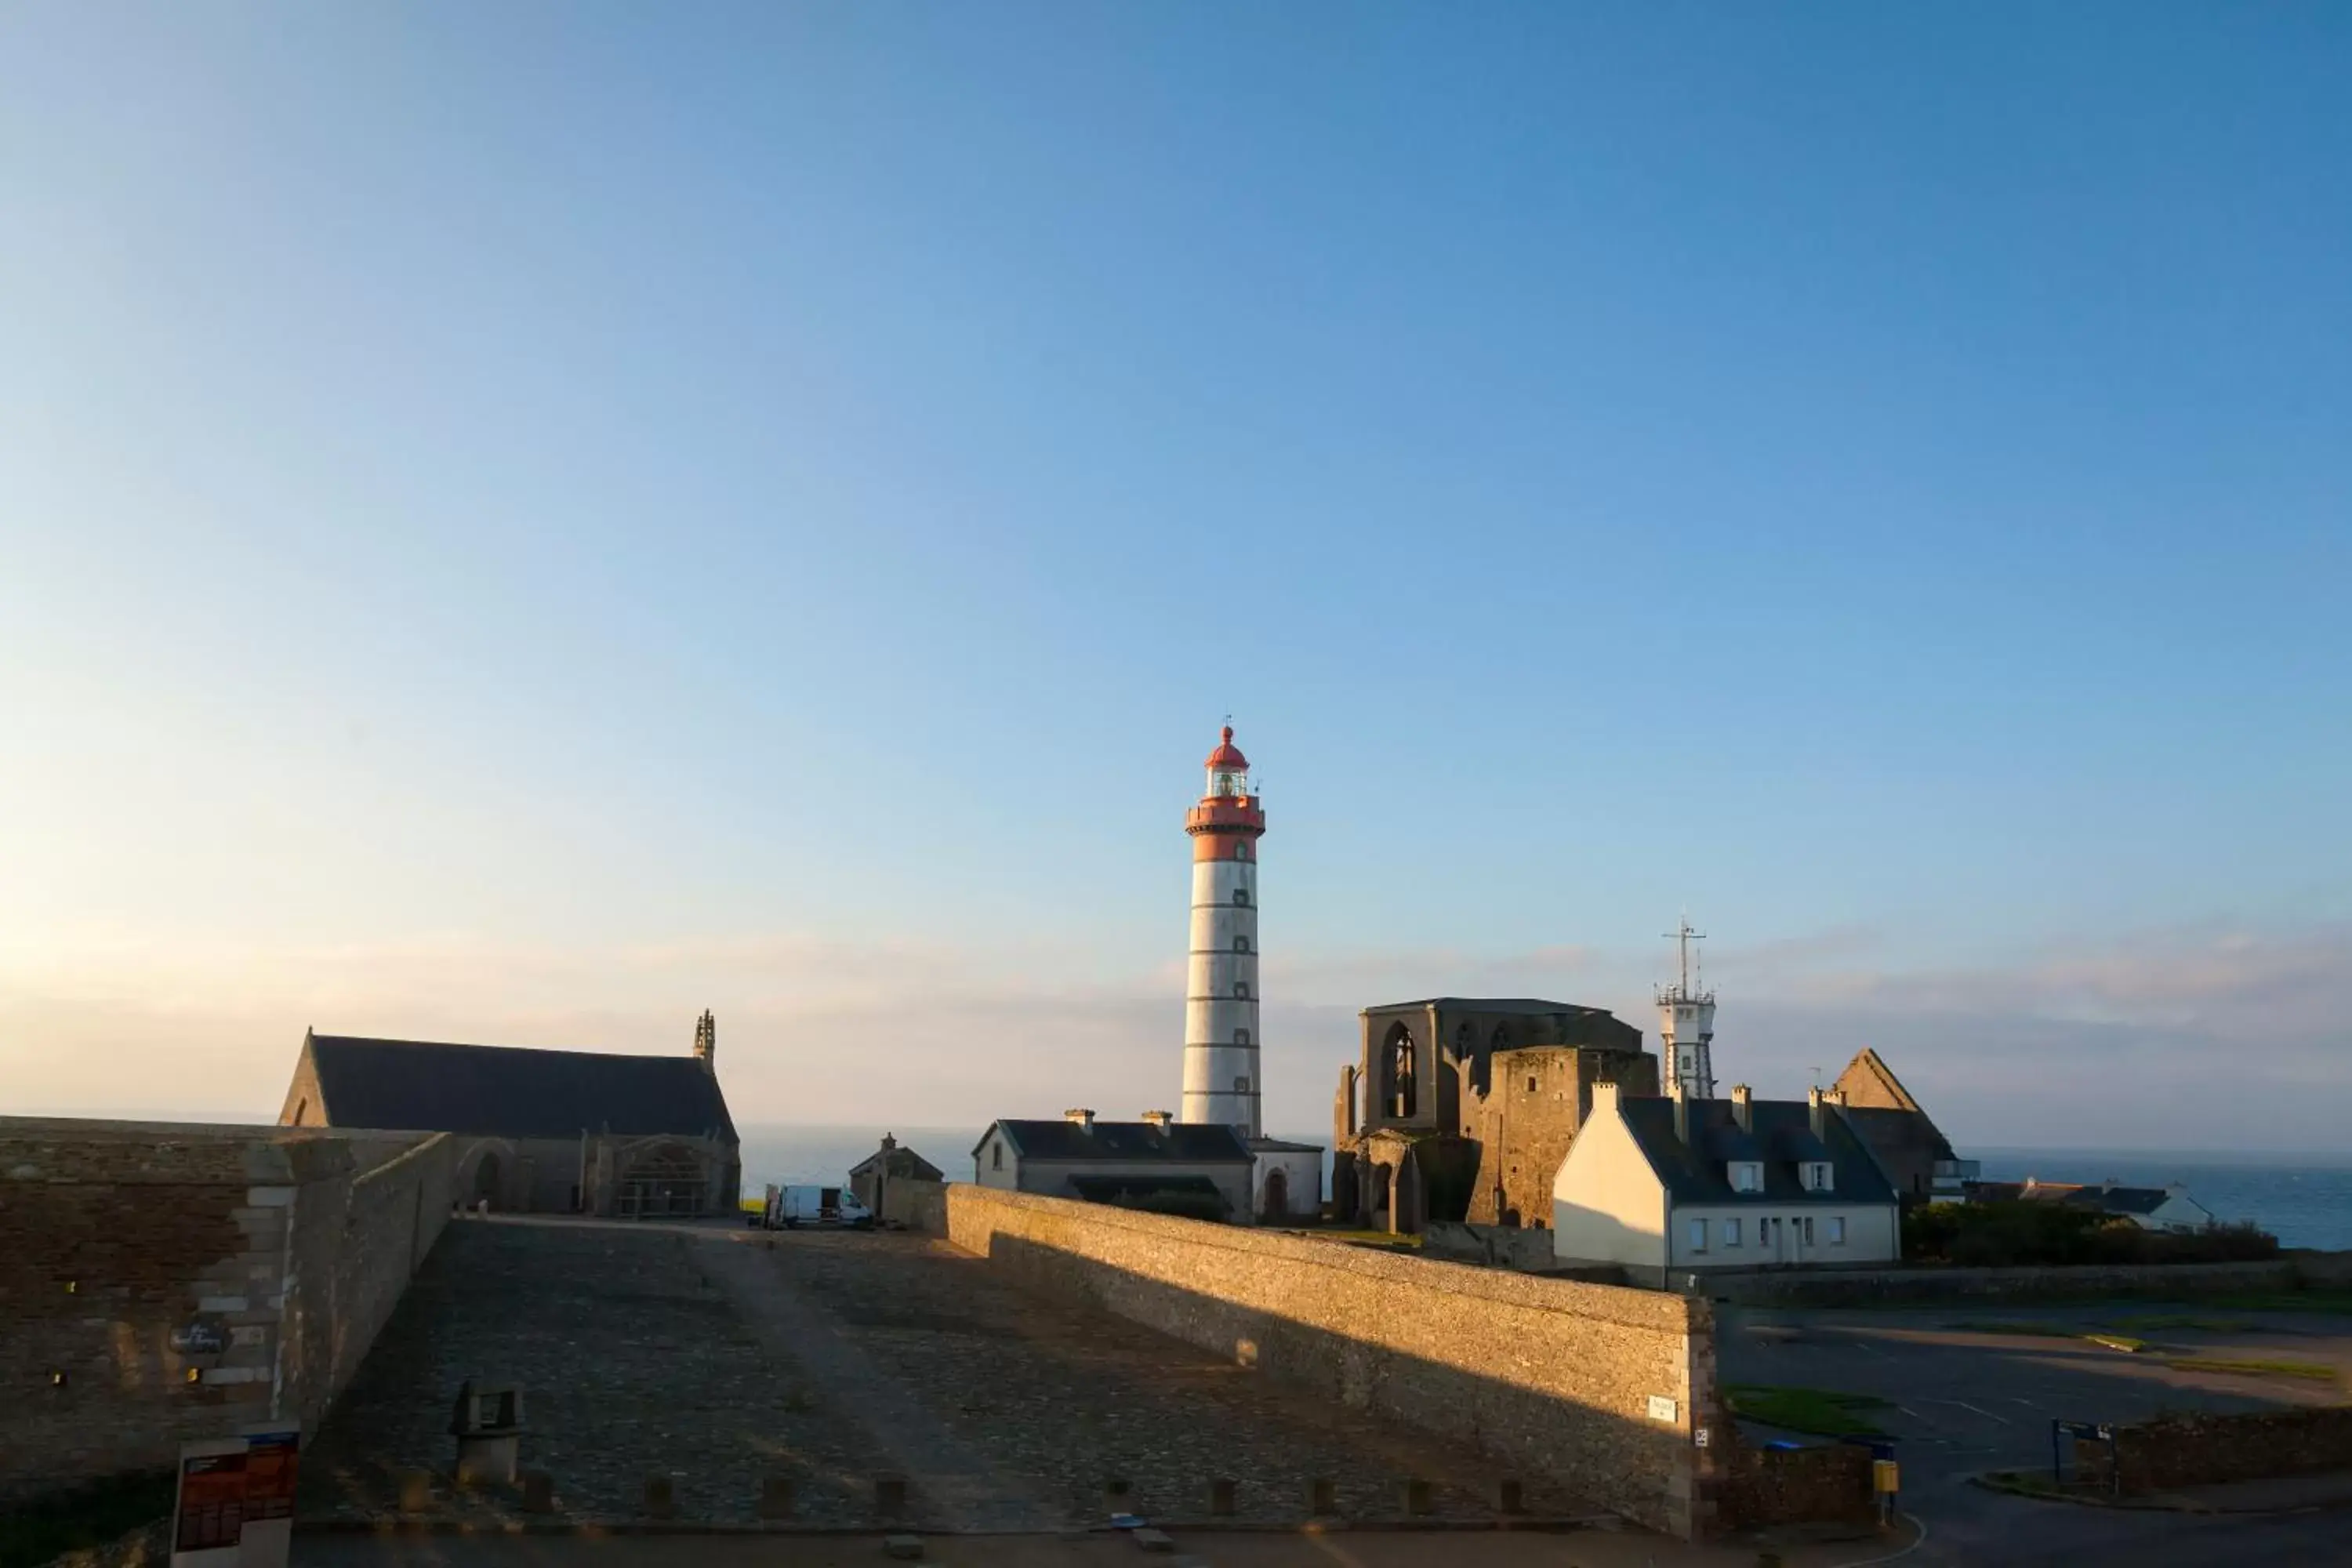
column 722, row 1358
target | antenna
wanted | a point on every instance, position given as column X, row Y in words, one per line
column 1684, row 937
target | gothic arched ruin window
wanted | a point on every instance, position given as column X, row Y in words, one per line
column 1404, row 1096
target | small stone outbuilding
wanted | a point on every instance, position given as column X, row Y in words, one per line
column 538, row 1131
column 870, row 1178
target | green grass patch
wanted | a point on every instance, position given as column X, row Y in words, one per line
column 35, row 1532
column 1386, row 1238
column 2316, row 1371
column 2054, row 1331
column 1823, row 1412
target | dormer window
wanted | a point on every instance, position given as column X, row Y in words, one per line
column 1746, row 1175
column 1815, row 1175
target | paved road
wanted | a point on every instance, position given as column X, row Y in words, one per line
column 1963, row 1401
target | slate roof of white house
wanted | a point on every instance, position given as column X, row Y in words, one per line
column 1781, row 1135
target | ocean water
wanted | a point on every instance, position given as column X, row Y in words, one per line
column 2304, row 1200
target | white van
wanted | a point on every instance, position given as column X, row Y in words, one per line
column 789, row 1208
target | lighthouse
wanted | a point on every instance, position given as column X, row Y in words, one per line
column 1221, row 1037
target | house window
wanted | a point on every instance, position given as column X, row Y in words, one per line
column 1746, row 1175
column 1808, row 1230
column 1699, row 1236
column 1815, row 1174
column 1241, row 944
column 996, row 1156
column 1241, row 989
column 1241, row 1036
column 1531, row 1083
column 1837, row 1230
column 1731, row 1233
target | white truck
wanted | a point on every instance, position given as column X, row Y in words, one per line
column 836, row 1208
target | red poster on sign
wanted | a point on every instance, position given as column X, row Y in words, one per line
column 270, row 1458
column 211, row 1502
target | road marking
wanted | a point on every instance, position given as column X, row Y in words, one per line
column 1986, row 1414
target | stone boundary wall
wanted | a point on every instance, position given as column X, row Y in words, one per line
column 1547, row 1376
column 2205, row 1450
column 1884, row 1287
column 160, row 1283
column 1785, row 1486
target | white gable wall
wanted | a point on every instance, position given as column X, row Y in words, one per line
column 1607, row 1204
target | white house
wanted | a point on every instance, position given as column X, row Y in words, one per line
column 1674, row 1185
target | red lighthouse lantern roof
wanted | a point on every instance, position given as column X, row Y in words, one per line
column 1227, row 755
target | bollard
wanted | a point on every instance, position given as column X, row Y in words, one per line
column 1507, row 1494
column 661, row 1498
column 1322, row 1496
column 890, row 1496
column 1221, row 1496
column 538, row 1492
column 415, row 1491
column 1419, row 1496
column 776, row 1498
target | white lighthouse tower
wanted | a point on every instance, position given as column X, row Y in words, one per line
column 1687, row 1027
column 1220, row 1038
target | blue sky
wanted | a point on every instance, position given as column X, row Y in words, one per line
column 525, row 523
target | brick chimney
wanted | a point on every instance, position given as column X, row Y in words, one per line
column 706, row 1042
column 1080, row 1117
column 1743, row 1107
column 1159, row 1119
column 1818, row 1103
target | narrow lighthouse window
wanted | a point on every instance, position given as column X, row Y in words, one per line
column 1241, row 896
column 1241, row 1036
column 1241, row 851
column 1241, row 989
column 1241, row 944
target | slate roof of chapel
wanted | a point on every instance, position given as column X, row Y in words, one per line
column 506, row 1091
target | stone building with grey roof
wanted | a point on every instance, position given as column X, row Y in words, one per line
column 1199, row 1169
column 541, row 1131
